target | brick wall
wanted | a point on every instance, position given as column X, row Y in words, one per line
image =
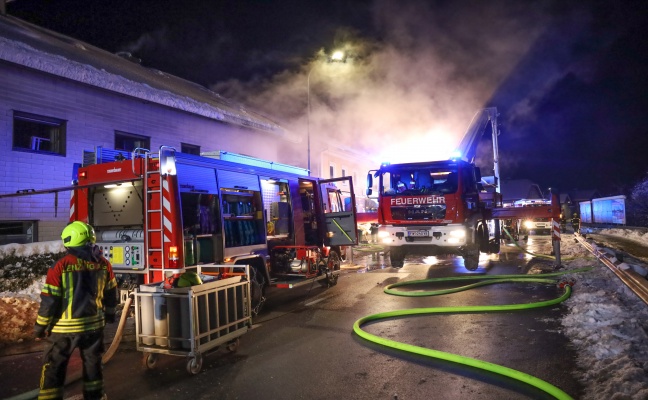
column 92, row 117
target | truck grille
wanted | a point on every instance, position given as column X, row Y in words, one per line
column 420, row 213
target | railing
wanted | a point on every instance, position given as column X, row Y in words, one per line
column 635, row 282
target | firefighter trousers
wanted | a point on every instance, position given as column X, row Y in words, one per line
column 57, row 356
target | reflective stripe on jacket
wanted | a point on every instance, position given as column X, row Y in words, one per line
column 77, row 290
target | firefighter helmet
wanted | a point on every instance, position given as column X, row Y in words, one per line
column 77, row 234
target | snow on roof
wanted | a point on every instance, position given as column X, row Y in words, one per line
column 516, row 189
column 35, row 47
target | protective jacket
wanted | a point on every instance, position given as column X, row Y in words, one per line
column 78, row 290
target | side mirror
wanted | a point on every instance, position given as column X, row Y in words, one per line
column 369, row 184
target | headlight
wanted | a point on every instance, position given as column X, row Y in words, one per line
column 528, row 224
column 460, row 233
column 383, row 234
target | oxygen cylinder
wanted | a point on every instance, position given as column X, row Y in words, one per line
column 160, row 322
column 146, row 309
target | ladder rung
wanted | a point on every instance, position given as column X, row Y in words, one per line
column 154, row 230
column 158, row 210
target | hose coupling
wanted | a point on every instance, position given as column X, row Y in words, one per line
column 566, row 283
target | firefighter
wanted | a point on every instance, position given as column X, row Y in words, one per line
column 78, row 298
column 563, row 223
column 575, row 222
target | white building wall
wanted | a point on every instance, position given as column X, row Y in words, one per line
column 92, row 116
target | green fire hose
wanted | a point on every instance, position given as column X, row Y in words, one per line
column 482, row 281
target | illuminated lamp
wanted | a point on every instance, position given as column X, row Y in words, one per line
column 173, row 257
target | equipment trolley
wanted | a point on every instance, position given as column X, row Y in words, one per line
column 192, row 320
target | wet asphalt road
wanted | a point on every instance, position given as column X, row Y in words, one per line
column 302, row 345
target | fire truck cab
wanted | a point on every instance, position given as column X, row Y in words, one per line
column 429, row 208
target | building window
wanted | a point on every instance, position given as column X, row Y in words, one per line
column 331, row 171
column 40, row 134
column 189, row 148
column 20, row 232
column 129, row 141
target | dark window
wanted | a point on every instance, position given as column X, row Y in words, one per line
column 40, row 134
column 189, row 149
column 18, row 232
column 129, row 141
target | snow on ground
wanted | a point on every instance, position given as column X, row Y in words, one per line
column 606, row 323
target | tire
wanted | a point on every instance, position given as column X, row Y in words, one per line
column 150, row 360
column 194, row 365
column 233, row 346
column 257, row 283
column 397, row 257
column 332, row 264
column 471, row 263
column 482, row 237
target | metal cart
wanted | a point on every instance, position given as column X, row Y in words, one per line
column 193, row 320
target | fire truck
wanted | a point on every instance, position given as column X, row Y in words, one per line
column 538, row 225
column 157, row 213
column 446, row 206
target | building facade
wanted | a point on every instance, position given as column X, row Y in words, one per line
column 62, row 97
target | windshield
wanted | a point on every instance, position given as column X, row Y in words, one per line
column 419, row 180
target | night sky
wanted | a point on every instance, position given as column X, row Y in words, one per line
column 569, row 78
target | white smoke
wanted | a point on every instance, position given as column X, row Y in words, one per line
column 411, row 92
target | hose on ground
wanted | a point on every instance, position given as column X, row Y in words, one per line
column 482, row 281
column 516, row 244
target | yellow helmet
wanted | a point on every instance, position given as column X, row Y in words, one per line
column 77, row 234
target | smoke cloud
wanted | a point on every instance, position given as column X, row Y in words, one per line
column 410, row 94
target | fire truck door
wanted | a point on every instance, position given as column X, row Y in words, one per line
column 338, row 205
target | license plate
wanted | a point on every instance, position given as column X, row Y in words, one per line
column 418, row 233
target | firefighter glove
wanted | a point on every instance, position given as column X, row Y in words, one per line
column 110, row 318
column 40, row 331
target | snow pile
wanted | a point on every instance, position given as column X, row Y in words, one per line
column 607, row 325
column 636, row 235
column 26, row 250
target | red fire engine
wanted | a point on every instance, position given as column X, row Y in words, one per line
column 157, row 213
column 441, row 207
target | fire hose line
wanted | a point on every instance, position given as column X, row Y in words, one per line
column 32, row 394
column 472, row 362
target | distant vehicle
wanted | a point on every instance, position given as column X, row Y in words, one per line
column 537, row 225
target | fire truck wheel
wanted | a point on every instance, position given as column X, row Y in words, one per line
column 482, row 237
column 471, row 263
column 256, row 294
column 194, row 365
column 332, row 264
column 334, row 261
column 397, row 257
column 233, row 345
column 150, row 360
